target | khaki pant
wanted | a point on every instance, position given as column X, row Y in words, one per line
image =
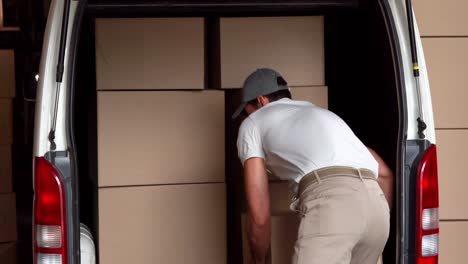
column 344, row 220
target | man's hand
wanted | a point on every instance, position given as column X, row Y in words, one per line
column 386, row 177
column 258, row 200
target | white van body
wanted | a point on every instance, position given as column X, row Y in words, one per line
column 398, row 8
column 46, row 94
column 47, row 85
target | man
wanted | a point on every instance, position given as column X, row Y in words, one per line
column 344, row 213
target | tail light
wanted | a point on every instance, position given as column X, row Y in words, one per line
column 427, row 206
column 50, row 237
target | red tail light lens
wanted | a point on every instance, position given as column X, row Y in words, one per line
column 427, row 204
column 50, row 243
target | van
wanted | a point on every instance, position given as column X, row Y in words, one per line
column 376, row 79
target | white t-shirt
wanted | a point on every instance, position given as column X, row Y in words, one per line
column 297, row 137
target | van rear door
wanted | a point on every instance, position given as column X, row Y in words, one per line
column 56, row 222
column 418, row 188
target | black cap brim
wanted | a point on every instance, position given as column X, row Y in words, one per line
column 239, row 110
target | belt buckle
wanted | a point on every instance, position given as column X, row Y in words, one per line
column 293, row 196
column 293, row 192
column 293, row 206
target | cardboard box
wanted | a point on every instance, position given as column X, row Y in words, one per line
column 452, row 242
column 7, row 73
column 452, row 166
column 294, row 46
column 280, row 197
column 8, row 253
column 284, row 229
column 441, row 18
column 150, row 53
column 246, row 254
column 169, row 224
column 171, row 137
column 6, row 122
column 283, row 238
column 447, row 64
column 7, row 217
column 5, row 169
column 317, row 95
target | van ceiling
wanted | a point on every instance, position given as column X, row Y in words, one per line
column 218, row 7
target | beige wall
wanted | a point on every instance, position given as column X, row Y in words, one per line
column 447, row 65
column 442, row 17
column 444, row 31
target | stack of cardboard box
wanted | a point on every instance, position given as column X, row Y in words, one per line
column 7, row 197
column 161, row 150
column 294, row 46
column 445, row 41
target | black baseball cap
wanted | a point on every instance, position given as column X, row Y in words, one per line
column 261, row 82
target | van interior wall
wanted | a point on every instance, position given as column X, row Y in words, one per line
column 360, row 75
column 234, row 179
column 85, row 114
column 361, row 81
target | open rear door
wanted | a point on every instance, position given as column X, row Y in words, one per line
column 56, row 217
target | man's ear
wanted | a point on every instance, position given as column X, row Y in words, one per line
column 263, row 100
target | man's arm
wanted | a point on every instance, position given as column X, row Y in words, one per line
column 386, row 178
column 258, row 199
